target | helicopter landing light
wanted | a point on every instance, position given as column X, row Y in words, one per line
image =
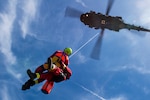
column 87, row 15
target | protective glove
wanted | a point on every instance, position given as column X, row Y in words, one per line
column 60, row 77
column 63, row 65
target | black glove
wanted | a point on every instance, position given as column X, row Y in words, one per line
column 59, row 78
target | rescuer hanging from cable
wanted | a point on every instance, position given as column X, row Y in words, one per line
column 54, row 70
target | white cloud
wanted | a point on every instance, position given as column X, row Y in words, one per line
column 7, row 21
column 4, row 93
column 119, row 98
column 6, row 26
column 96, row 95
column 146, row 90
column 29, row 8
column 140, row 54
column 139, row 46
column 139, row 69
column 81, row 2
column 82, row 57
column 13, row 73
column 143, row 10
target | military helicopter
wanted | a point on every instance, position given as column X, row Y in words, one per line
column 102, row 21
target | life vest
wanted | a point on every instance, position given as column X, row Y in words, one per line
column 58, row 57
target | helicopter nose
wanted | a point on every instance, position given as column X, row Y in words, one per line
column 82, row 18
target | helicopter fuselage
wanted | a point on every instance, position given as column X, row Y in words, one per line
column 100, row 21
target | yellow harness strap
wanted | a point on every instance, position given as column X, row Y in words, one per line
column 55, row 60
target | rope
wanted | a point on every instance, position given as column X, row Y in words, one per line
column 83, row 45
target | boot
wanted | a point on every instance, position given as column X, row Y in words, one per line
column 31, row 75
column 28, row 84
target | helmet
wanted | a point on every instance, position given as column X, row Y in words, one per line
column 68, row 51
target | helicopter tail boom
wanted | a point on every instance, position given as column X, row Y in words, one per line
column 138, row 28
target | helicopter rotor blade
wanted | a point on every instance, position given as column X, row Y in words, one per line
column 109, row 6
column 95, row 54
column 72, row 12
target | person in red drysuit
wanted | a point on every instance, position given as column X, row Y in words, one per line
column 54, row 70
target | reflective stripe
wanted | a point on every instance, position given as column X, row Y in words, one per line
column 37, row 75
column 36, row 81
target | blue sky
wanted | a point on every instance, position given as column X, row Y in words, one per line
column 31, row 30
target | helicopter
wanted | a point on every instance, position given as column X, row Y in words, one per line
column 102, row 21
